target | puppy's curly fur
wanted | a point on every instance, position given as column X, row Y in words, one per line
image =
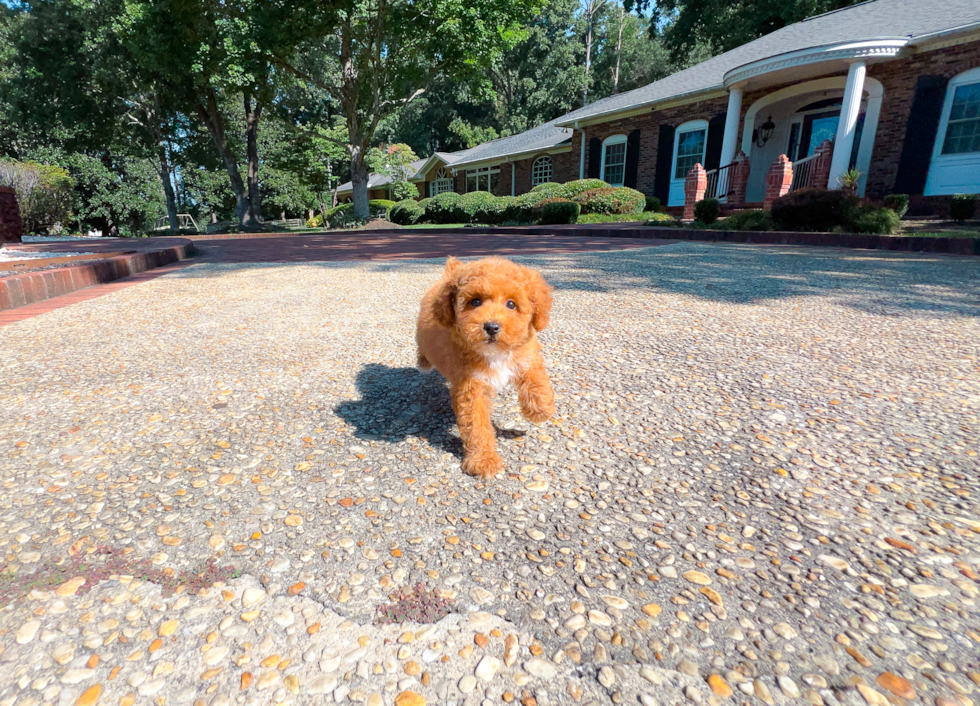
column 478, row 327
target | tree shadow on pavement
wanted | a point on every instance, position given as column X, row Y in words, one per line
column 396, row 403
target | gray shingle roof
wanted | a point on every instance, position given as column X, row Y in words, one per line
column 538, row 138
column 877, row 19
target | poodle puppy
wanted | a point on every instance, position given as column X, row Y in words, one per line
column 478, row 327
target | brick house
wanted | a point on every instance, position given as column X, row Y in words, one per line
column 890, row 88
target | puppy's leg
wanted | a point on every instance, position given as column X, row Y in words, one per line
column 471, row 402
column 535, row 394
column 423, row 364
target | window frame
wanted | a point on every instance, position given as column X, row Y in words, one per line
column 966, row 161
column 684, row 129
column 488, row 172
column 609, row 142
column 536, row 164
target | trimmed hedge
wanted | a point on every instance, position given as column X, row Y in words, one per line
column 559, row 211
column 546, row 186
column 484, row 207
column 899, row 203
column 813, row 210
column 653, row 204
column 571, row 189
column 406, row 213
column 707, row 211
column 749, row 220
column 963, row 206
column 878, row 220
column 447, row 207
column 609, row 200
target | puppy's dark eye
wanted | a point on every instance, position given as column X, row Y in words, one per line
column 511, row 304
column 475, row 302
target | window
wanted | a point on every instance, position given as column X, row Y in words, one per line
column 485, row 179
column 614, row 160
column 963, row 127
column 541, row 171
column 690, row 150
column 955, row 165
column 442, row 183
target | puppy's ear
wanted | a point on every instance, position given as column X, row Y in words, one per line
column 539, row 292
column 444, row 304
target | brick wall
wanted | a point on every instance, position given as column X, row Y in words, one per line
column 11, row 228
column 649, row 126
column 898, row 78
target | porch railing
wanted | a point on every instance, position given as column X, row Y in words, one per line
column 803, row 172
column 719, row 182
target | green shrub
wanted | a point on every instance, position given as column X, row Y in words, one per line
column 559, row 212
column 571, row 189
column 653, row 204
column 339, row 215
column 813, row 210
column 749, row 220
column 609, row 200
column 520, row 209
column 871, row 218
column 377, row 206
column 314, row 222
column 650, row 217
column 406, row 213
column 538, row 209
column 447, row 207
column 707, row 211
column 899, row 203
column 45, row 193
column 546, row 186
column 963, row 206
column 483, row 207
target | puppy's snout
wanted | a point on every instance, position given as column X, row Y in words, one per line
column 492, row 328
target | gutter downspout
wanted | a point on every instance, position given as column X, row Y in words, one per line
column 581, row 160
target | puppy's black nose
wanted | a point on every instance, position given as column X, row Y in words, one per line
column 492, row 328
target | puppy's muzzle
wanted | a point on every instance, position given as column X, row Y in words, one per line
column 491, row 328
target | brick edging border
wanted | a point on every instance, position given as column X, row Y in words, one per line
column 31, row 287
column 946, row 246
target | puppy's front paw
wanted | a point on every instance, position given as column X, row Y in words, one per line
column 538, row 412
column 483, row 465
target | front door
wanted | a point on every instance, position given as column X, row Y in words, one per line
column 817, row 128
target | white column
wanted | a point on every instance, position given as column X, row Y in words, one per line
column 732, row 120
column 581, row 161
column 849, row 110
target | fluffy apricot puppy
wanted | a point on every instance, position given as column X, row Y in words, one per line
column 478, row 327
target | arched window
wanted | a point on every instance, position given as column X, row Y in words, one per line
column 613, row 169
column 541, row 171
column 442, row 183
column 955, row 166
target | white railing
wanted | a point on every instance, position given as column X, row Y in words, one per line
column 719, row 182
column 184, row 220
column 803, row 172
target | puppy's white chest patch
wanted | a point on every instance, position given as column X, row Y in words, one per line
column 502, row 371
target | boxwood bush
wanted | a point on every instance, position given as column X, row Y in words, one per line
column 872, row 218
column 707, row 211
column 963, row 206
column 483, row 207
column 813, row 210
column 749, row 220
column 571, row 189
column 653, row 204
column 407, row 212
column 559, row 211
column 551, row 186
column 445, row 208
column 609, row 200
column 899, row 203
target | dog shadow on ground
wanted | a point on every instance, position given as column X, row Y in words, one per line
column 396, row 403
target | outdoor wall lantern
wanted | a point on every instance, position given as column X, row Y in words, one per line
column 764, row 132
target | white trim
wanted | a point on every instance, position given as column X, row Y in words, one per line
column 683, row 129
column 613, row 140
column 866, row 50
column 514, row 157
column 967, row 162
column 847, row 124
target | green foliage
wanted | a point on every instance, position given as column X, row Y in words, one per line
column 609, row 200
column 749, row 220
column 813, row 210
column 707, row 211
column 395, row 162
column 559, row 211
column 963, row 207
column 379, row 205
column 571, row 189
column 446, row 207
column 45, row 193
column 652, row 217
column 550, row 187
column 406, row 213
column 899, row 203
column 483, row 207
column 849, row 181
column 471, row 135
column 653, row 204
column 878, row 220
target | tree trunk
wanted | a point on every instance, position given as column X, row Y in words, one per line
column 619, row 50
column 359, row 182
column 252, row 154
column 168, row 189
column 212, row 119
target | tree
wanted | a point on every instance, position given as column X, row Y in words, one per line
column 394, row 161
column 589, row 13
column 721, row 25
column 386, row 53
